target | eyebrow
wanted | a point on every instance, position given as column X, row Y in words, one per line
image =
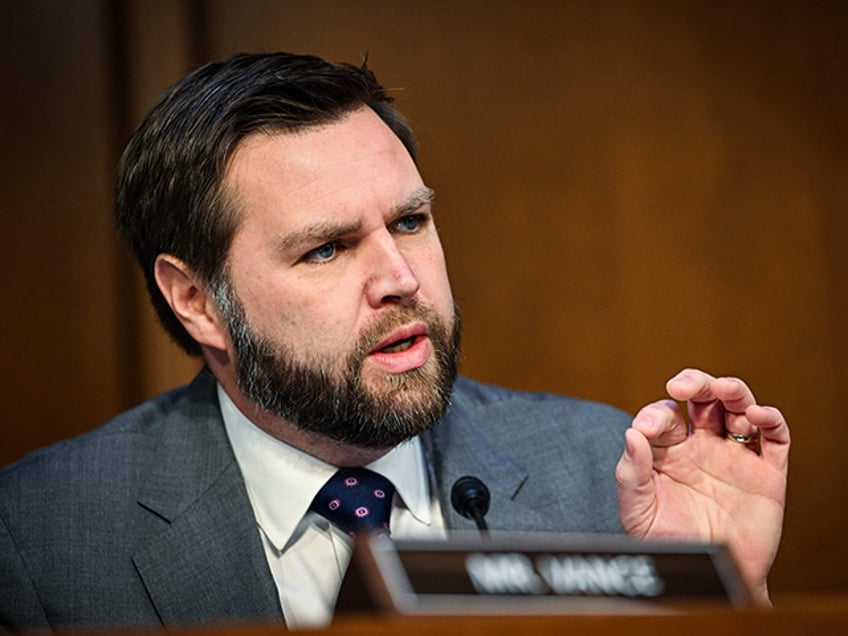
column 328, row 231
column 417, row 200
column 319, row 233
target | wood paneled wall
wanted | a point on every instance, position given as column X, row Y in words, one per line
column 624, row 189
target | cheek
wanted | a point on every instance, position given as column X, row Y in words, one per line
column 320, row 321
column 434, row 278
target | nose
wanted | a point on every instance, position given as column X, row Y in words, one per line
column 391, row 279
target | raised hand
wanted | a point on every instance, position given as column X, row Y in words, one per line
column 720, row 477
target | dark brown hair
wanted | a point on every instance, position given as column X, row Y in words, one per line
column 168, row 194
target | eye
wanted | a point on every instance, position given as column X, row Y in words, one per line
column 410, row 223
column 321, row 254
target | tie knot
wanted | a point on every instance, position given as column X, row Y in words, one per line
column 356, row 500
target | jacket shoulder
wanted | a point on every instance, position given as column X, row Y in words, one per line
column 471, row 397
column 117, row 441
column 73, row 514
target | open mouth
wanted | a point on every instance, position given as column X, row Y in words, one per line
column 403, row 350
column 398, row 345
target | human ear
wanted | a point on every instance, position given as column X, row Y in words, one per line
column 190, row 301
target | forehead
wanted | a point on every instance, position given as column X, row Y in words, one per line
column 351, row 164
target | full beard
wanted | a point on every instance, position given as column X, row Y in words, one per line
column 332, row 399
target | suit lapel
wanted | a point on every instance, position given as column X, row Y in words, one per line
column 460, row 445
column 206, row 561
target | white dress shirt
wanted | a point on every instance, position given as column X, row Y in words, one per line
column 306, row 554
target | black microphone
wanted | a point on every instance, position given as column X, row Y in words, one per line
column 470, row 498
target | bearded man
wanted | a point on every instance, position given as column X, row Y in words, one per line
column 287, row 237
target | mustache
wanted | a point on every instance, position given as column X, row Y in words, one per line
column 376, row 331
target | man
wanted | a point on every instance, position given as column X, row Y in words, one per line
column 286, row 235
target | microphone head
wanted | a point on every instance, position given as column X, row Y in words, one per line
column 470, row 497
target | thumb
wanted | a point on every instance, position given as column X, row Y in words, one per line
column 637, row 503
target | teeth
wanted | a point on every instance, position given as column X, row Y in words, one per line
column 400, row 345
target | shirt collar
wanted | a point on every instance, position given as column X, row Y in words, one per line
column 282, row 481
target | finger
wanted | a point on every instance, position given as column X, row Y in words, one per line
column 636, row 489
column 774, row 434
column 694, row 387
column 661, row 423
column 691, row 385
column 733, row 393
column 735, row 397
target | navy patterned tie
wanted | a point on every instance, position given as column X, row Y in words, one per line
column 356, row 500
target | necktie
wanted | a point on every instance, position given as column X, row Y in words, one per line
column 356, row 500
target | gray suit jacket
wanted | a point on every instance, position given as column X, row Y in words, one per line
column 146, row 520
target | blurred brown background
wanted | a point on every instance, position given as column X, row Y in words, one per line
column 624, row 189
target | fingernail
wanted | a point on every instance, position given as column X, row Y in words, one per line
column 628, row 449
column 682, row 377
